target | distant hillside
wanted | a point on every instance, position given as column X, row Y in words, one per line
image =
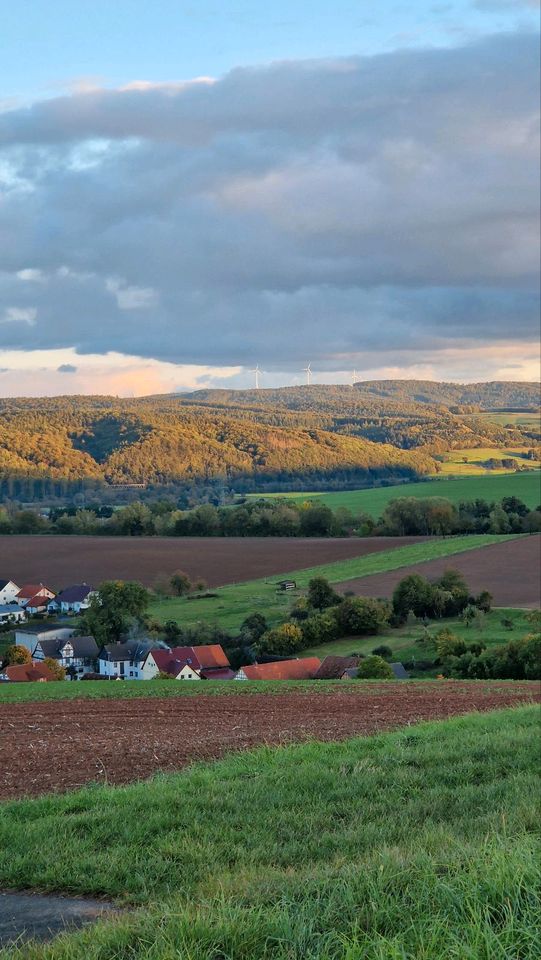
column 384, row 430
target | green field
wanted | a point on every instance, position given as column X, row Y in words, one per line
column 470, row 461
column 531, row 421
column 404, row 641
column 526, row 486
column 235, row 601
column 421, row 843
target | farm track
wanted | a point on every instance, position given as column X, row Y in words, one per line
column 62, row 745
column 510, row 571
column 220, row 560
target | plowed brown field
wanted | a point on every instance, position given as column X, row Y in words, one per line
column 59, row 561
column 510, row 571
column 62, row 745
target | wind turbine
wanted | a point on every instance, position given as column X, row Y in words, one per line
column 354, row 378
column 308, row 371
column 257, row 371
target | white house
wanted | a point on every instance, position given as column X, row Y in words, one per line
column 124, row 660
column 72, row 599
column 11, row 613
column 8, row 591
column 31, row 591
column 164, row 661
column 77, row 654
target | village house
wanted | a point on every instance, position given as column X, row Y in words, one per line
column 304, row 669
column 77, row 654
column 8, row 591
column 335, row 668
column 26, row 673
column 125, row 660
column 11, row 613
column 32, row 635
column 207, row 662
column 33, row 591
column 72, row 599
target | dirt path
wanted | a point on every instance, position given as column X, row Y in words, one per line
column 62, row 745
column 510, row 571
column 59, row 561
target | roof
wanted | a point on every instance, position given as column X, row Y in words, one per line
column 332, row 668
column 75, row 594
column 399, row 671
column 5, row 583
column 82, row 646
column 37, row 601
column 225, row 674
column 351, row 672
column 10, row 608
column 209, row 656
column 25, row 672
column 166, row 662
column 130, row 650
column 284, row 670
column 31, row 589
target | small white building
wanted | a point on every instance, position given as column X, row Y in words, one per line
column 73, row 599
column 124, row 660
column 164, row 661
column 11, row 613
column 8, row 591
column 30, row 637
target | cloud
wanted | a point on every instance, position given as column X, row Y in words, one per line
column 20, row 315
column 66, row 368
column 327, row 210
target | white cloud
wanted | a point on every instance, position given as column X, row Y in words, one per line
column 20, row 315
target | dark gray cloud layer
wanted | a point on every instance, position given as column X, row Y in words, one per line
column 335, row 207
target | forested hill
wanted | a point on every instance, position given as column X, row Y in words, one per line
column 302, row 432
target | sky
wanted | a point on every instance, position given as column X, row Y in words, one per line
column 188, row 190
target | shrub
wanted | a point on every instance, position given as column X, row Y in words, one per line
column 448, row 644
column 180, row 583
column 374, row 668
column 321, row 595
column 58, row 671
column 361, row 615
column 281, row 641
column 484, row 601
column 162, row 675
column 16, row 654
column 382, row 651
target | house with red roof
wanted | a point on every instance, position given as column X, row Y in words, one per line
column 206, row 662
column 303, row 669
column 27, row 673
column 34, row 597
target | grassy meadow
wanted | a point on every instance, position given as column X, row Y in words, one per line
column 410, row 641
column 422, row 843
column 470, row 461
column 236, row 601
column 526, row 486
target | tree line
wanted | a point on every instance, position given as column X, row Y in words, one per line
column 404, row 516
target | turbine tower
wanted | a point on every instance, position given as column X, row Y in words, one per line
column 353, row 378
column 308, row 371
column 256, row 372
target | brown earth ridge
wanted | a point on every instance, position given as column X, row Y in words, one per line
column 62, row 745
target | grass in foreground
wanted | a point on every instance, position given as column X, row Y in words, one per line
column 526, row 486
column 416, row 844
column 237, row 600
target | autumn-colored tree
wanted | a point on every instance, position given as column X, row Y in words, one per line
column 15, row 653
column 58, row 671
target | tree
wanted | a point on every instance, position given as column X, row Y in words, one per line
column 180, row 583
column 412, row 593
column 171, row 631
column 15, row 653
column 383, row 651
column 281, row 641
column 361, row 615
column 58, row 671
column 118, row 606
column 321, row 595
column 484, row 601
column 374, row 668
column 448, row 644
column 253, row 627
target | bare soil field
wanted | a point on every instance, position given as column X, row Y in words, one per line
column 511, row 571
column 58, row 561
column 61, row 745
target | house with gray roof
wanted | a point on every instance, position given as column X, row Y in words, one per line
column 125, row 660
column 77, row 654
column 73, row 599
column 11, row 613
